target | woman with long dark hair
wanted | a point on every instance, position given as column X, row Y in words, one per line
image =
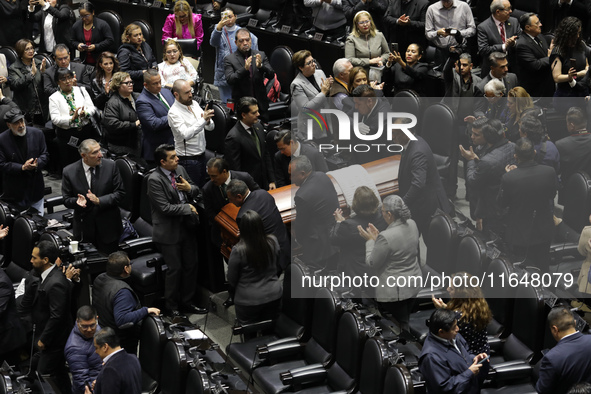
column 106, row 65
column 252, row 272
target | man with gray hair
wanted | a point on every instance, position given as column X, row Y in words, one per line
column 93, row 188
column 315, row 201
column 340, row 87
column 499, row 70
column 497, row 34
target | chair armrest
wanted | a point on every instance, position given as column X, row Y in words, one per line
column 565, row 249
column 496, row 343
column 314, row 373
column 279, row 351
column 137, row 246
column 252, row 327
column 511, row 370
column 52, row 202
column 282, row 341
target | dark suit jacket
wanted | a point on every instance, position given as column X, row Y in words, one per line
column 214, row 201
column 528, row 191
column 263, row 203
column 167, row 209
column 50, row 310
column 489, row 41
column 565, row 364
column 22, row 187
column 153, row 116
column 376, row 9
column 578, row 9
column 60, row 25
column 103, row 220
column 242, row 155
column 12, row 334
column 574, row 155
column 239, row 78
column 481, row 103
column 533, row 66
column 132, row 62
column 83, row 77
column 315, row 201
column 419, row 183
column 102, row 37
column 282, row 163
column 122, row 374
column 414, row 32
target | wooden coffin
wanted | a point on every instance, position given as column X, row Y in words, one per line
column 383, row 172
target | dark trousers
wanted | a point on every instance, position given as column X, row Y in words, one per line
column 400, row 310
column 181, row 276
column 537, row 255
column 255, row 313
column 53, row 363
column 196, row 168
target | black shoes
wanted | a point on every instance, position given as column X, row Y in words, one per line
column 229, row 302
column 194, row 309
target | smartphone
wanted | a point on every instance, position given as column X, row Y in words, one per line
column 225, row 14
column 89, row 385
column 210, row 104
column 394, row 47
column 84, row 46
column 573, row 62
column 484, row 359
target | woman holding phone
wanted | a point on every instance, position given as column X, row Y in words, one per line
column 91, row 36
column 54, row 30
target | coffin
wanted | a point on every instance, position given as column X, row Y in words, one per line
column 383, row 173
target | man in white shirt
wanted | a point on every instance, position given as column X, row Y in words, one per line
column 188, row 122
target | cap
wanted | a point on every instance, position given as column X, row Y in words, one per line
column 13, row 115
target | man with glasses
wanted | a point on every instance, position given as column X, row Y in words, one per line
column 117, row 304
column 83, row 361
column 246, row 70
column 498, row 33
column 533, row 58
column 61, row 55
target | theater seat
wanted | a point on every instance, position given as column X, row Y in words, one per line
column 398, row 380
column 577, row 201
column 198, row 382
column 280, row 60
column 173, row 375
column 152, row 341
column 115, row 24
column 471, row 257
column 147, row 31
column 409, row 101
column 442, row 246
column 374, row 364
column 223, row 121
column 131, row 176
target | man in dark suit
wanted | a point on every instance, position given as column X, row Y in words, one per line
column 560, row 9
column 419, row 183
column 264, row 204
column 60, row 23
column 49, row 308
column 497, row 34
column 152, row 111
column 246, row 70
column 528, row 190
column 245, row 147
column 23, row 156
column 567, row 363
column 171, row 193
column 405, row 22
column 287, row 148
column 61, row 55
column 533, row 58
column 121, row 373
column 315, row 201
column 94, row 189
column 574, row 149
column 499, row 69
column 376, row 8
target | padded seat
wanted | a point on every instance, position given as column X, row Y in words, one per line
column 115, row 24
column 174, row 368
column 144, row 279
column 374, row 364
column 418, row 324
column 147, row 31
column 398, row 380
column 442, row 245
column 471, row 256
column 152, row 341
column 409, row 101
column 269, row 380
column 197, row 382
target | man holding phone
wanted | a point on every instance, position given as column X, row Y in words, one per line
column 188, row 123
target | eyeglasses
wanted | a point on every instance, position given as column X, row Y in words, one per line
column 87, row 326
column 309, row 63
column 126, row 82
column 85, row 16
column 363, row 22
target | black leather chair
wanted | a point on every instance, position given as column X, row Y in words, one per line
column 7, row 216
column 47, row 57
column 442, row 247
column 438, row 129
column 268, row 12
column 152, row 341
column 198, row 382
column 189, row 47
column 173, row 376
column 471, row 256
column 10, row 55
column 577, row 201
column 131, row 174
column 409, row 101
column 280, row 60
column 203, row 7
column 374, row 364
column 115, row 24
column 344, row 372
column 223, row 122
column 500, row 299
column 147, row 32
column 242, row 10
column 398, row 380
column 294, row 321
column 318, row 350
column 25, row 233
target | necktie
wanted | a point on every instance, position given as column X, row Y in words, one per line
column 502, row 27
column 537, row 40
column 163, row 101
column 223, row 188
column 253, row 135
column 92, row 179
column 173, row 180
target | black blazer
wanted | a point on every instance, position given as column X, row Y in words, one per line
column 26, row 88
column 282, row 163
column 419, row 183
column 533, row 66
column 83, row 77
column 242, row 154
column 414, row 32
column 102, row 37
column 49, row 307
column 12, row 334
column 122, row 374
column 23, row 186
column 101, row 221
column 243, row 84
column 60, row 24
column 12, row 20
column 264, row 204
column 134, row 63
column 528, row 191
column 489, row 41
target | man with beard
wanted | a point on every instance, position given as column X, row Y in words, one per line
column 188, row 123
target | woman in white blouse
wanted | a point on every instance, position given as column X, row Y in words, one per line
column 175, row 66
column 70, row 109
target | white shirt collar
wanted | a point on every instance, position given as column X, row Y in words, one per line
column 229, row 178
column 111, row 355
column 45, row 273
column 297, row 151
column 246, row 127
